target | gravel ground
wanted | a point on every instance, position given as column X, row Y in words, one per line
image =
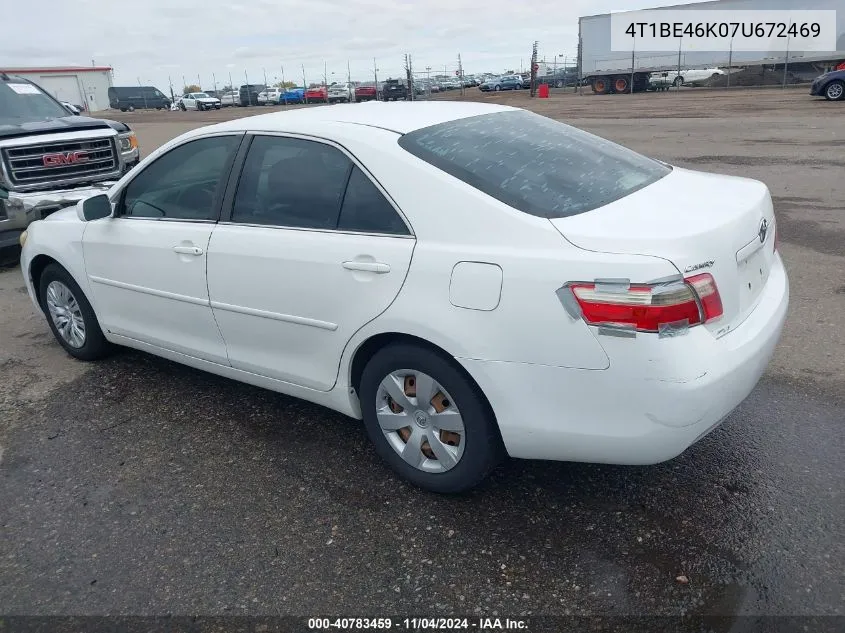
column 138, row 486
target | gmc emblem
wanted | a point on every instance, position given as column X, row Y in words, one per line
column 65, row 158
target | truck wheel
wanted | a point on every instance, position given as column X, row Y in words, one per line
column 620, row 84
column 132, row 108
column 601, row 85
column 679, row 81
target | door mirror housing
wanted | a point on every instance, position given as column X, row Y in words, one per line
column 94, row 208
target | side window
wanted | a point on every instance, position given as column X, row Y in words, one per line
column 291, row 182
column 365, row 209
column 182, row 184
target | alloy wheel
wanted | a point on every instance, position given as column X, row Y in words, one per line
column 420, row 421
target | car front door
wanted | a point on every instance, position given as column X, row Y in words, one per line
column 189, row 102
column 312, row 250
column 147, row 263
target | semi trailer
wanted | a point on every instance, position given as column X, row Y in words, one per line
column 613, row 72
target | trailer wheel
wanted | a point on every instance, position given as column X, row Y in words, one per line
column 620, row 84
column 601, row 85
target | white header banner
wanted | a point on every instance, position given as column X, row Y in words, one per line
column 723, row 30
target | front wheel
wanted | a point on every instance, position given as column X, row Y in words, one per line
column 428, row 420
column 497, row 88
column 70, row 316
column 184, row 109
column 835, row 91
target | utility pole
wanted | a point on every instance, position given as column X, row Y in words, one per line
column 231, row 83
column 199, row 81
column 461, row 74
column 408, row 76
column 730, row 62
column 304, row 84
column 678, row 79
column 533, row 92
column 248, row 90
column 786, row 59
column 214, row 81
column 375, row 76
column 170, row 82
column 265, row 77
column 326, row 79
column 348, row 73
column 428, row 80
column 184, row 84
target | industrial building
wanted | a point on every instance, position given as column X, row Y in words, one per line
column 86, row 86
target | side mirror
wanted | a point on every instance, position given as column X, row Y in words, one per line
column 94, row 208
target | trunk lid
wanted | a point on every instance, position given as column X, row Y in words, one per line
column 702, row 223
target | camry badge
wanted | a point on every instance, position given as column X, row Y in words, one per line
column 764, row 229
column 707, row 264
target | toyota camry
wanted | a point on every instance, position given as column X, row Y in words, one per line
column 473, row 281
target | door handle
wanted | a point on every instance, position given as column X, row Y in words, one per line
column 370, row 267
column 188, row 250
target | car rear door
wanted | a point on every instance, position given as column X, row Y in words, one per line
column 312, row 250
column 147, row 264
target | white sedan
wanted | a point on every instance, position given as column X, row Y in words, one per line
column 199, row 101
column 471, row 280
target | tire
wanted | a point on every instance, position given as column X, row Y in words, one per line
column 479, row 447
column 679, row 81
column 497, row 88
column 94, row 345
column 601, row 85
column 123, row 109
column 132, row 108
column 182, row 106
column 835, row 91
column 620, row 84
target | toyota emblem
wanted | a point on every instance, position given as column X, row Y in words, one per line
column 764, row 229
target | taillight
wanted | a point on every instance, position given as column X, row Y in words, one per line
column 650, row 308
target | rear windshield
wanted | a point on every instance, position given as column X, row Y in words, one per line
column 534, row 164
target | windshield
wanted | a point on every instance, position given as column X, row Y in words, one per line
column 22, row 100
column 199, row 95
column 533, row 163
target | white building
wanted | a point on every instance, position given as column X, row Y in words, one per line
column 80, row 85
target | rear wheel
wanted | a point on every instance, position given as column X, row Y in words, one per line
column 679, row 81
column 427, row 419
column 620, row 84
column 70, row 316
column 601, row 85
column 835, row 91
column 497, row 88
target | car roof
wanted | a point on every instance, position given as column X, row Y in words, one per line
column 398, row 117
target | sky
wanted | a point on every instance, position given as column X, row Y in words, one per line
column 155, row 42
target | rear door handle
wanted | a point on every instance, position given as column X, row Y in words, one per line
column 188, row 250
column 370, row 267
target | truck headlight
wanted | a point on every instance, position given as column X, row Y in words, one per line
column 127, row 142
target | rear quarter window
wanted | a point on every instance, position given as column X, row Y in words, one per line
column 533, row 163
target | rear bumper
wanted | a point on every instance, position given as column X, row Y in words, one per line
column 658, row 397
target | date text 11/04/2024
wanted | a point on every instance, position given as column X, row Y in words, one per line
column 490, row 625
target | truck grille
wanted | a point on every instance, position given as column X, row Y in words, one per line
column 46, row 163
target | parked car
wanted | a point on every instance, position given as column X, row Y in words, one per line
column 199, row 101
column 420, row 256
column 230, row 98
column 293, row 95
column 393, row 90
column 130, row 98
column 366, row 93
column 506, row 82
column 248, row 94
column 830, row 85
column 269, row 96
column 341, row 92
column 692, row 76
column 50, row 158
column 317, row 94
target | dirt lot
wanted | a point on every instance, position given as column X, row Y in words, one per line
column 137, row 486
